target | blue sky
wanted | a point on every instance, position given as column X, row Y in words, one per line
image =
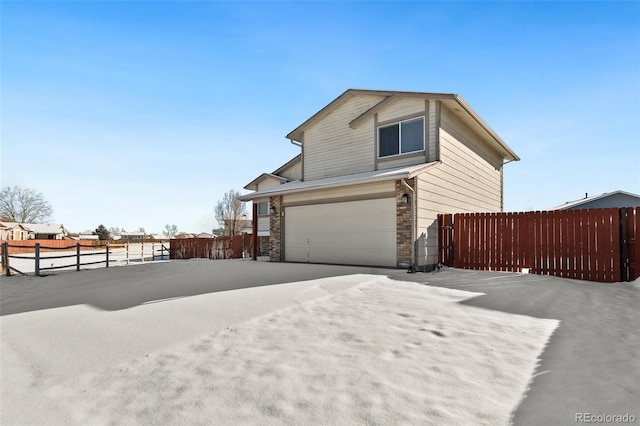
column 141, row 113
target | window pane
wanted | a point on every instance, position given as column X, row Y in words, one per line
column 263, row 207
column 389, row 140
column 413, row 135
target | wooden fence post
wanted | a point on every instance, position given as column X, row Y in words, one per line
column 254, row 232
column 624, row 247
column 37, row 257
column 142, row 253
column 107, row 246
column 153, row 251
column 78, row 256
column 127, row 249
column 5, row 259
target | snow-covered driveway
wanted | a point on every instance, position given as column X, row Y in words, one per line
column 352, row 348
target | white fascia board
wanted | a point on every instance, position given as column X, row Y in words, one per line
column 347, row 180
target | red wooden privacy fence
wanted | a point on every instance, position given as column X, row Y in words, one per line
column 28, row 246
column 235, row 247
column 591, row 244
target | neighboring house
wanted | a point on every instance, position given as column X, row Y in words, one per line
column 4, row 230
column 46, row 231
column 132, row 235
column 376, row 168
column 184, row 235
column 13, row 231
column 31, row 231
column 88, row 237
column 244, row 225
column 606, row 200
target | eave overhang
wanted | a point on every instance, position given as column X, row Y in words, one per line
column 339, row 181
column 251, row 186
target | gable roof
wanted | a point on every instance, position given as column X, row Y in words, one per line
column 288, row 164
column 45, row 228
column 406, row 172
column 12, row 225
column 571, row 204
column 253, row 185
column 453, row 101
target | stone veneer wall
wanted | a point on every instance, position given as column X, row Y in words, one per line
column 403, row 222
column 263, row 246
column 275, row 226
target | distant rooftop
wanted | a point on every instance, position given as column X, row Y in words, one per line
column 587, row 199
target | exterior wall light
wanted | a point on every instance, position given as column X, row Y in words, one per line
column 273, row 209
column 405, row 198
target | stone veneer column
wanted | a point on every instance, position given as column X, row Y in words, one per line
column 403, row 222
column 275, row 227
column 263, row 249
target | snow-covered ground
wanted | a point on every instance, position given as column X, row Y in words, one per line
column 119, row 255
column 380, row 352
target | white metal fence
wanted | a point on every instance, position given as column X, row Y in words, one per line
column 41, row 262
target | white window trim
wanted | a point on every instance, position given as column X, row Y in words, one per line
column 399, row 123
column 267, row 213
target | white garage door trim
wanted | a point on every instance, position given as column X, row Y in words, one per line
column 359, row 232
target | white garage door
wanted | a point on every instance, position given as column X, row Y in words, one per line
column 349, row 233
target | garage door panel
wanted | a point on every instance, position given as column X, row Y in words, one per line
column 355, row 232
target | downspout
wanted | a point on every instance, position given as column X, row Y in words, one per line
column 412, row 265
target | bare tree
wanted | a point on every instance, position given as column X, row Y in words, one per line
column 231, row 213
column 24, row 205
column 170, row 230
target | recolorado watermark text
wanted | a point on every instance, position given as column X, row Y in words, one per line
column 605, row 418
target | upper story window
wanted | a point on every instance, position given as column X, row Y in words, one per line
column 401, row 138
column 263, row 208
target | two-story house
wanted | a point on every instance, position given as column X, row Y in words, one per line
column 375, row 170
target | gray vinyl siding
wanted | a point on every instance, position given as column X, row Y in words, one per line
column 267, row 182
column 401, row 160
column 263, row 226
column 293, row 172
column 432, row 134
column 401, row 108
column 344, row 193
column 332, row 148
column 263, row 220
column 469, row 179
